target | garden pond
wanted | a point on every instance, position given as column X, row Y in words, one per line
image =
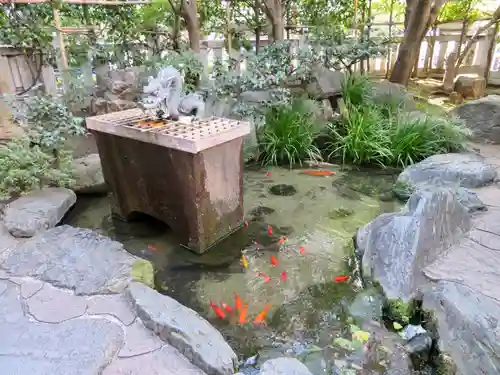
column 313, row 220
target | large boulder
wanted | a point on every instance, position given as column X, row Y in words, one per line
column 184, row 329
column 89, row 178
column 325, row 83
column 73, row 258
column 37, row 211
column 284, row 366
column 482, row 116
column 392, row 94
column 464, row 170
column 396, row 247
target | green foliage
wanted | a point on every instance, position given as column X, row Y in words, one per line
column 24, row 168
column 356, row 89
column 460, row 10
column 370, row 134
column 48, row 121
column 288, row 135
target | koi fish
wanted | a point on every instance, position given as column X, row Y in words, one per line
column 261, row 317
column 218, row 311
column 243, row 314
column 341, row 278
column 269, row 230
column 238, row 303
column 152, row 248
column 226, row 307
column 268, row 174
column 246, row 224
column 265, row 276
column 313, row 172
column 274, row 261
column 283, row 276
column 282, row 240
column 244, row 261
column 302, row 250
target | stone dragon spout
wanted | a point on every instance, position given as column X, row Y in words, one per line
column 165, row 98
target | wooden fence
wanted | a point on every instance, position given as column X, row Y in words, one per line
column 18, row 73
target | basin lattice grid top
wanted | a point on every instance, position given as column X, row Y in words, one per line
column 185, row 134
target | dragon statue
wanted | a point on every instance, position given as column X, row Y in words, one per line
column 165, row 98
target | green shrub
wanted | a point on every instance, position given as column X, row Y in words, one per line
column 288, row 134
column 372, row 135
column 362, row 137
column 24, row 168
column 356, row 89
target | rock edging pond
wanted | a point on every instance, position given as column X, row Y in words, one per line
column 443, row 253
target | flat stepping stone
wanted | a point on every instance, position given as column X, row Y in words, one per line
column 37, row 211
column 184, row 329
column 73, row 258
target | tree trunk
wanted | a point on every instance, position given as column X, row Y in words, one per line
column 274, row 14
column 190, row 15
column 422, row 14
column 176, row 32
column 491, row 51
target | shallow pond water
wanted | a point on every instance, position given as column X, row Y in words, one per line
column 316, row 213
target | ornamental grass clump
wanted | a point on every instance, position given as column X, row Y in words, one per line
column 288, row 134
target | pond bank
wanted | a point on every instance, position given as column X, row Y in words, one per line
column 443, row 253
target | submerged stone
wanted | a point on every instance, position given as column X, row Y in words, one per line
column 284, row 366
column 283, row 190
column 261, row 211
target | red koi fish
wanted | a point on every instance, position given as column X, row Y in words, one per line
column 274, row 261
column 268, row 174
column 152, row 248
column 226, row 307
column 261, row 317
column 238, row 303
column 282, row 241
column 283, row 276
column 269, row 230
column 218, row 311
column 243, row 314
column 314, row 172
column 341, row 278
column 302, row 250
column 246, row 224
column 265, row 276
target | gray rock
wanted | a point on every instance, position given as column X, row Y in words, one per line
column 11, row 309
column 284, row 366
column 482, row 116
column 7, row 240
column 468, row 326
column 116, row 305
column 184, row 329
column 325, row 83
column 53, row 305
column 392, row 94
column 75, row 347
column 165, row 361
column 139, row 340
column 464, row 170
column 419, row 349
column 37, row 211
column 397, row 247
column 89, row 178
column 73, row 258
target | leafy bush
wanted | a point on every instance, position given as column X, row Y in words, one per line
column 24, row 168
column 369, row 135
column 356, row 89
column 288, row 135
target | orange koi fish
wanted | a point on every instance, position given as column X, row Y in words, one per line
column 243, row 314
column 341, row 278
column 261, row 317
column 302, row 250
column 269, row 230
column 274, row 261
column 283, row 276
column 313, row 172
column 265, row 276
column 238, row 303
column 218, row 311
column 244, row 261
column 226, row 307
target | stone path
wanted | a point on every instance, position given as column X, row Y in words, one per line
column 68, row 306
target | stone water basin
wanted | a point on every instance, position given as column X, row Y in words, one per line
column 319, row 214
